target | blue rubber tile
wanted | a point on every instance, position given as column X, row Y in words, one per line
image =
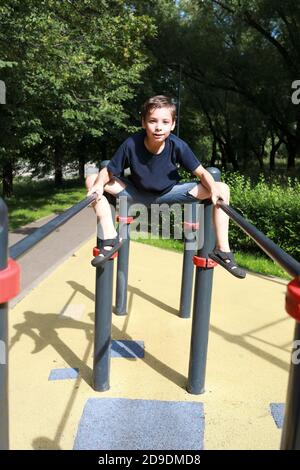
column 277, row 411
column 63, row 374
column 127, row 349
column 120, row 423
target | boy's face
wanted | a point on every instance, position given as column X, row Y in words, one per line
column 158, row 124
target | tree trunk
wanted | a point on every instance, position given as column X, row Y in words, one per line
column 231, row 156
column 291, row 146
column 223, row 155
column 104, row 150
column 58, row 157
column 260, row 160
column 81, row 156
column 272, row 158
column 7, row 179
column 214, row 154
column 81, row 163
column 274, row 150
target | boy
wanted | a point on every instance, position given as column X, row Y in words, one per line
column 152, row 155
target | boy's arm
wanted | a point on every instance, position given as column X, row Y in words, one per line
column 101, row 180
column 209, row 183
column 115, row 167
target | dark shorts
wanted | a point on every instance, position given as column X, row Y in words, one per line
column 178, row 194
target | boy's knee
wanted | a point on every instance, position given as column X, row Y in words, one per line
column 225, row 188
column 224, row 192
column 90, row 180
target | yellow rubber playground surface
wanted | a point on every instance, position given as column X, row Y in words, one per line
column 51, row 359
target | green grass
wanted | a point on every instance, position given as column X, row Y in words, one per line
column 170, row 244
column 260, row 264
column 33, row 200
column 254, row 263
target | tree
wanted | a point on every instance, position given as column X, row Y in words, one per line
column 70, row 67
column 238, row 59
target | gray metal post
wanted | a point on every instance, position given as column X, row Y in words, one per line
column 123, row 259
column 122, row 274
column 188, row 265
column 103, row 320
column 104, row 163
column 202, row 302
column 123, row 253
column 4, row 423
column 290, row 439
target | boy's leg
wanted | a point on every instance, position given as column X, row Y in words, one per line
column 220, row 219
column 102, row 207
column 188, row 192
column 221, row 254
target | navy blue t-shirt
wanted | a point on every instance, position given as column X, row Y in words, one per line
column 150, row 172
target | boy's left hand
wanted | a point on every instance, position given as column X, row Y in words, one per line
column 216, row 194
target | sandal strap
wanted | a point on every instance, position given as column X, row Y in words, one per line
column 225, row 255
column 103, row 250
column 109, row 242
column 228, row 259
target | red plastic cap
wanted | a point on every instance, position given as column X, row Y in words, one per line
column 125, row 220
column 96, row 251
column 292, row 299
column 9, row 281
column 191, row 225
column 206, row 263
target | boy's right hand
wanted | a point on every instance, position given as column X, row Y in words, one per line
column 97, row 188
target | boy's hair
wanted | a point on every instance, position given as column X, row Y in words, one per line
column 158, row 101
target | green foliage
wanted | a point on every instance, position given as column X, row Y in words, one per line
column 69, row 69
column 238, row 62
column 76, row 73
column 273, row 207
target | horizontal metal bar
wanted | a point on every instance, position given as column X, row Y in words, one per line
column 24, row 245
column 287, row 262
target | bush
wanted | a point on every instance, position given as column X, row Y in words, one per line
column 272, row 206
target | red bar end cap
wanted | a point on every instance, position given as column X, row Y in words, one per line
column 9, row 281
column 292, row 299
